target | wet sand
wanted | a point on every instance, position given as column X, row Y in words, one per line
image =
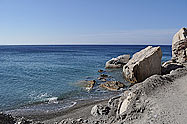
column 80, row 110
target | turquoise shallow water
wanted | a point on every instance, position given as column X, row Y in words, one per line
column 30, row 74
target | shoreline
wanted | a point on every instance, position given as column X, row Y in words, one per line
column 33, row 112
column 80, row 110
column 65, row 113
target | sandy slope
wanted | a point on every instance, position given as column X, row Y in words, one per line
column 168, row 105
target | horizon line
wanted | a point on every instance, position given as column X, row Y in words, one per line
column 73, row 44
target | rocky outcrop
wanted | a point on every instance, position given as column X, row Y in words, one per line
column 143, row 64
column 179, row 46
column 112, row 85
column 118, row 62
column 169, row 66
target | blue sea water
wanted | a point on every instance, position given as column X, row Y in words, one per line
column 30, row 74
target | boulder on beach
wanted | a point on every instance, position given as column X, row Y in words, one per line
column 143, row 64
column 112, row 85
column 125, row 102
column 100, row 109
column 118, row 62
column 179, row 46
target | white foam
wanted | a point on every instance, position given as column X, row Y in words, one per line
column 52, row 100
column 72, row 104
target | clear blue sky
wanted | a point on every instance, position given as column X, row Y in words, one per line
column 91, row 21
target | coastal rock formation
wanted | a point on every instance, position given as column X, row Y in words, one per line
column 112, row 85
column 168, row 66
column 143, row 64
column 118, row 62
column 179, row 46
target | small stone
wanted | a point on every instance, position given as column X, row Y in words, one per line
column 100, row 71
column 103, row 80
column 80, row 120
column 100, row 78
column 104, row 75
column 85, row 121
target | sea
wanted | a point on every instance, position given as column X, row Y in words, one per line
column 47, row 77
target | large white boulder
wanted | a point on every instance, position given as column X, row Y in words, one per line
column 179, row 46
column 118, row 62
column 143, row 64
column 100, row 109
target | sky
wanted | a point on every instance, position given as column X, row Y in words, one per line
column 59, row 22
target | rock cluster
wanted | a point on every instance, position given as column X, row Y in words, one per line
column 118, row 62
column 179, row 46
column 104, row 81
column 112, row 85
column 169, row 66
column 143, row 64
